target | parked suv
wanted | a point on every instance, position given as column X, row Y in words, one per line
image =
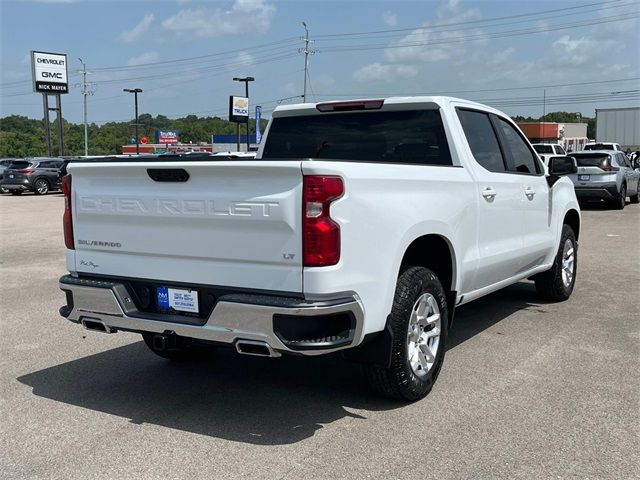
column 4, row 163
column 39, row 175
column 605, row 175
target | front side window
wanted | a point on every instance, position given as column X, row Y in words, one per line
column 522, row 159
column 415, row 137
column 560, row 150
column 482, row 140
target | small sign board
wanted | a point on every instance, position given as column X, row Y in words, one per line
column 167, row 136
column 49, row 72
column 238, row 109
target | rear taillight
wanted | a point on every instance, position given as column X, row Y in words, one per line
column 321, row 235
column 27, row 171
column 607, row 167
column 67, row 221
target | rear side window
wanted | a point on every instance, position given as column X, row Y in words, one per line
column 415, row 137
column 560, row 150
column 522, row 158
column 482, row 139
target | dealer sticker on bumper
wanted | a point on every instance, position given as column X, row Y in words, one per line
column 178, row 299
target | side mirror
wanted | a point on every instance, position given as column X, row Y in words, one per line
column 559, row 166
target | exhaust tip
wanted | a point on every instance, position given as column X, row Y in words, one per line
column 96, row 325
column 253, row 347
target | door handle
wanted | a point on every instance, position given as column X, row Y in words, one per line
column 489, row 193
column 529, row 192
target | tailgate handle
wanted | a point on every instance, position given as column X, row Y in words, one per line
column 168, row 174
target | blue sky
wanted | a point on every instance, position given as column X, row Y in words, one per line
column 473, row 50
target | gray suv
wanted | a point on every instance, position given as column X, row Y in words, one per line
column 39, row 175
column 605, row 175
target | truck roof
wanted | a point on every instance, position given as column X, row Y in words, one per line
column 390, row 103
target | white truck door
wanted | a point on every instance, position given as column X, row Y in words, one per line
column 500, row 197
column 535, row 224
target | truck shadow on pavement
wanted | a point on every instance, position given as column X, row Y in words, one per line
column 245, row 399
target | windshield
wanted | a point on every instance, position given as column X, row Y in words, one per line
column 543, row 148
column 599, row 146
column 19, row 165
column 416, row 137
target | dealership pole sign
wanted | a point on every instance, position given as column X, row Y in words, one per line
column 49, row 72
column 238, row 109
column 167, row 136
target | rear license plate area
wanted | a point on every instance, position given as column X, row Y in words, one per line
column 584, row 178
column 177, row 300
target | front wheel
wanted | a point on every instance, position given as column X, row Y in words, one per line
column 557, row 283
column 418, row 321
column 635, row 198
column 16, row 192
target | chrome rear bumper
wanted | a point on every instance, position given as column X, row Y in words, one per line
column 234, row 317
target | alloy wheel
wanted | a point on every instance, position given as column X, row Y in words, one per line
column 423, row 335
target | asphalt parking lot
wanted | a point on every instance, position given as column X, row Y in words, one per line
column 528, row 389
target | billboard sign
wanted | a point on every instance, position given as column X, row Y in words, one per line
column 167, row 136
column 49, row 72
column 239, row 109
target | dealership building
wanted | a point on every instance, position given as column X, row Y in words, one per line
column 572, row 136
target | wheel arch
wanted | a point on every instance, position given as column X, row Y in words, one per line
column 572, row 218
column 435, row 252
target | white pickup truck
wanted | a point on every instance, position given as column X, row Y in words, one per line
column 360, row 226
column 547, row 150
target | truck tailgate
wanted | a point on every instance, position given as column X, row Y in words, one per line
column 232, row 223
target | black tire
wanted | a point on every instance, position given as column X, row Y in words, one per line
column 550, row 284
column 181, row 349
column 399, row 381
column 41, row 186
column 635, row 198
column 16, row 192
column 621, row 200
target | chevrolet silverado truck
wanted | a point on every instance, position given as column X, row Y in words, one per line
column 359, row 227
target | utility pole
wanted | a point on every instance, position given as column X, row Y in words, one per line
column 306, row 52
column 544, row 103
column 86, row 90
column 135, row 92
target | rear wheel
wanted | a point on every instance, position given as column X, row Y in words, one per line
column 41, row 187
column 557, row 283
column 620, row 202
column 16, row 192
column 635, row 198
column 418, row 320
column 176, row 348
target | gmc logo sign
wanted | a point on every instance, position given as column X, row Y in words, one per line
column 56, row 75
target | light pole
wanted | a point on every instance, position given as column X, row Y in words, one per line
column 246, row 81
column 135, row 92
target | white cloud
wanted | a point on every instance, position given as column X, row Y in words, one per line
column 381, row 71
column 139, row 30
column 245, row 16
column 147, row 57
column 244, row 59
column 390, row 19
column 432, row 43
